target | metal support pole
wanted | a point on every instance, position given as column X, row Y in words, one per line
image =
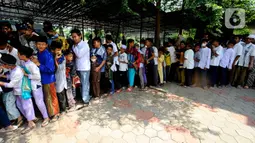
column 141, row 28
column 83, row 29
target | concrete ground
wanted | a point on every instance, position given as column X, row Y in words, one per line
column 182, row 115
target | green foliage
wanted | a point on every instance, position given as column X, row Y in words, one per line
column 211, row 12
column 244, row 31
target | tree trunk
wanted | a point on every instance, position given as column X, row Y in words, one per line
column 182, row 13
column 157, row 30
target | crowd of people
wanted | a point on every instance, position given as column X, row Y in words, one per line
column 43, row 71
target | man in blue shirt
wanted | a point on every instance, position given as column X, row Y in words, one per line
column 98, row 59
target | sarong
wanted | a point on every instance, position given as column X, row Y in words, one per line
column 51, row 99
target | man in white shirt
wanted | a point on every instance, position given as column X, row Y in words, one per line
column 82, row 60
column 246, row 61
column 204, row 62
column 217, row 53
column 174, row 65
column 238, row 49
column 188, row 65
column 227, row 62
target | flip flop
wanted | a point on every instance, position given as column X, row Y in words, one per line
column 27, row 130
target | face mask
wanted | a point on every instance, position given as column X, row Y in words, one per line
column 204, row 44
column 93, row 60
column 142, row 45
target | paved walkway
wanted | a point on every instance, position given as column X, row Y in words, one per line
column 183, row 115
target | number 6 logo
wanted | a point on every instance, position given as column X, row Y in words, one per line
column 235, row 18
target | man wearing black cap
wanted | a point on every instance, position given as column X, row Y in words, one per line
column 29, row 37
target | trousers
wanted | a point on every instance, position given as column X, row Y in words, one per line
column 141, row 77
column 4, row 121
column 39, row 101
column 96, row 83
column 26, row 107
column 9, row 101
column 85, row 85
column 70, row 98
column 203, row 79
column 188, row 76
column 62, row 101
column 131, row 76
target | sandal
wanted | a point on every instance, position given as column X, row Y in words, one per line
column 118, row 91
column 36, row 120
column 246, row 87
column 19, row 123
column 27, row 130
column 55, row 118
column 45, row 123
column 129, row 89
column 13, row 128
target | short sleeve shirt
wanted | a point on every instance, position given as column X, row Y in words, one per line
column 148, row 54
column 100, row 54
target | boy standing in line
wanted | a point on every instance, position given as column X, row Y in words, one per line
column 34, row 75
column 46, row 65
column 204, row 62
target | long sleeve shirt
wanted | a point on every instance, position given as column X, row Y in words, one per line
column 205, row 58
column 189, row 59
column 215, row 61
column 197, row 56
column 228, row 59
column 82, row 56
column 47, row 67
column 238, row 48
column 15, row 78
column 34, row 74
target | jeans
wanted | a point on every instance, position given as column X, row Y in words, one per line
column 112, row 86
column 85, row 85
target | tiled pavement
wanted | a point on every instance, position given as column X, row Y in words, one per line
column 183, row 115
